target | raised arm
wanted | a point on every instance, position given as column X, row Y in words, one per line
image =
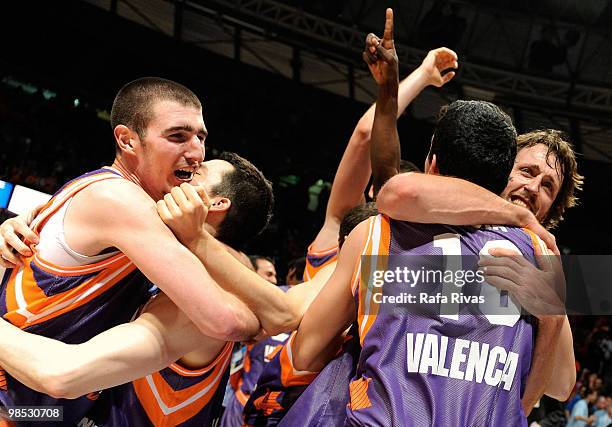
column 354, row 170
column 385, row 148
column 382, row 60
column 157, row 338
column 119, row 214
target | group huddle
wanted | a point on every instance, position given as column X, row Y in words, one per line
column 125, row 293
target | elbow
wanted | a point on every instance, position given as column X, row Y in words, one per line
column 287, row 320
column 57, row 384
column 363, row 132
column 395, row 196
column 233, row 325
column 563, row 392
column 567, row 392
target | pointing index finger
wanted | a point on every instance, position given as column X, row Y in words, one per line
column 388, row 36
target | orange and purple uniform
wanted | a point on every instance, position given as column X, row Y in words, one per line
column 70, row 301
column 174, row 396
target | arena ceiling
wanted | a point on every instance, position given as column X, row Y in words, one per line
column 319, row 43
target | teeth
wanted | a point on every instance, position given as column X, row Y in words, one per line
column 184, row 174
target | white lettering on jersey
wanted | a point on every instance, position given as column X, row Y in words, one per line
column 428, row 353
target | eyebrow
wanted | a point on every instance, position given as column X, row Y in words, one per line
column 186, row 128
column 538, row 170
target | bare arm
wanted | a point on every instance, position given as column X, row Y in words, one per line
column 385, row 148
column 118, row 214
column 185, row 211
column 354, row 169
column 157, row 338
column 435, row 199
column 382, row 60
column 331, row 312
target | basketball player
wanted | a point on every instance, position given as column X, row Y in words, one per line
column 378, row 393
column 553, row 331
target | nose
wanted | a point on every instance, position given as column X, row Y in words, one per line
column 195, row 151
column 533, row 186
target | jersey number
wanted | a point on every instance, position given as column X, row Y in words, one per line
column 451, row 248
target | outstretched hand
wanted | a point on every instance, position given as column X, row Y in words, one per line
column 380, row 55
column 436, row 62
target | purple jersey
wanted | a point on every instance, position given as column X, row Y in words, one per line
column 257, row 356
column 454, row 369
column 68, row 303
column 323, row 402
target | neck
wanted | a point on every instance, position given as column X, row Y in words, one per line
column 125, row 171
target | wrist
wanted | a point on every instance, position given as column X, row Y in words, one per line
column 519, row 216
column 198, row 241
column 422, row 77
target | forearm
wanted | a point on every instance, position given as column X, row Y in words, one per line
column 34, row 360
column 267, row 301
column 385, row 151
column 435, row 199
column 562, row 382
column 542, row 362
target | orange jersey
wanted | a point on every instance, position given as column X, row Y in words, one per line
column 69, row 303
column 317, row 260
column 174, row 396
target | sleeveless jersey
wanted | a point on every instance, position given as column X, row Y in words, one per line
column 462, row 368
column 316, row 260
column 256, row 358
column 71, row 304
column 174, row 396
column 323, row 402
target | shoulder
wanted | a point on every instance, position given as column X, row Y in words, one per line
column 114, row 200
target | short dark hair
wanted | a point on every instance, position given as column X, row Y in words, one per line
column 558, row 144
column 475, row 141
column 353, row 217
column 408, row 166
column 252, row 201
column 254, row 258
column 299, row 264
column 133, row 105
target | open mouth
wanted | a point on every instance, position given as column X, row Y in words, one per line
column 184, row 174
column 519, row 201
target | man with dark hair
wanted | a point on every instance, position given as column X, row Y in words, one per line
column 264, row 266
column 295, row 271
column 133, row 105
column 462, row 122
column 243, row 187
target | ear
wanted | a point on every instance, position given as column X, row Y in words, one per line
column 220, row 204
column 432, row 165
column 124, row 138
